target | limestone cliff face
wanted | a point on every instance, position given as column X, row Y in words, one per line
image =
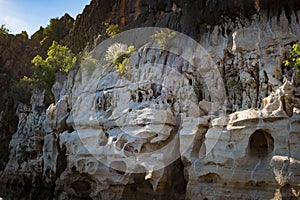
column 87, row 144
column 16, row 53
column 247, row 39
column 189, row 17
column 250, row 154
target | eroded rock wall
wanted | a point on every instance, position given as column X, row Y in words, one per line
column 245, row 154
column 249, row 154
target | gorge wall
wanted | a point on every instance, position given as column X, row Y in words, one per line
column 84, row 143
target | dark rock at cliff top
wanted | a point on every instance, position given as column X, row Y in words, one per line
column 184, row 16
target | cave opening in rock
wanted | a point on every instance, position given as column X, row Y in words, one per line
column 210, row 178
column 260, row 143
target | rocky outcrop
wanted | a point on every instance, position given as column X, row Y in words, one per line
column 16, row 53
column 190, row 17
column 112, row 137
column 250, row 154
column 57, row 30
column 25, row 161
column 191, row 122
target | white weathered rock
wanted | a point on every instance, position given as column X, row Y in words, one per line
column 56, row 116
column 104, row 127
column 242, row 41
column 256, row 151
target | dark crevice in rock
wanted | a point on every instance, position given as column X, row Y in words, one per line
column 177, row 184
column 61, row 162
column 140, row 188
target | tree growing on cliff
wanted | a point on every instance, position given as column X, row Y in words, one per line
column 3, row 29
column 293, row 60
column 20, row 90
column 56, row 30
column 60, row 58
column 162, row 38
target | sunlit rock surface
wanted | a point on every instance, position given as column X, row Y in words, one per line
column 103, row 128
column 251, row 154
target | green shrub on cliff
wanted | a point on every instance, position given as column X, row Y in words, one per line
column 21, row 90
column 60, row 58
column 293, row 60
column 112, row 29
column 163, row 37
column 55, row 31
column 119, row 54
column 3, row 29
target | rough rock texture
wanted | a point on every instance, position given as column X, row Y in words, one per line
column 237, row 156
column 120, row 121
column 247, row 39
column 16, row 53
column 21, row 193
column 190, row 17
column 57, row 30
column 248, row 154
column 251, row 57
column 5, row 125
column 25, row 162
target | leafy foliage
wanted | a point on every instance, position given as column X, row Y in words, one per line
column 50, row 32
column 293, row 59
column 3, row 29
column 21, row 90
column 144, row 15
column 112, row 29
column 60, row 58
column 119, row 55
column 55, row 31
column 162, row 38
